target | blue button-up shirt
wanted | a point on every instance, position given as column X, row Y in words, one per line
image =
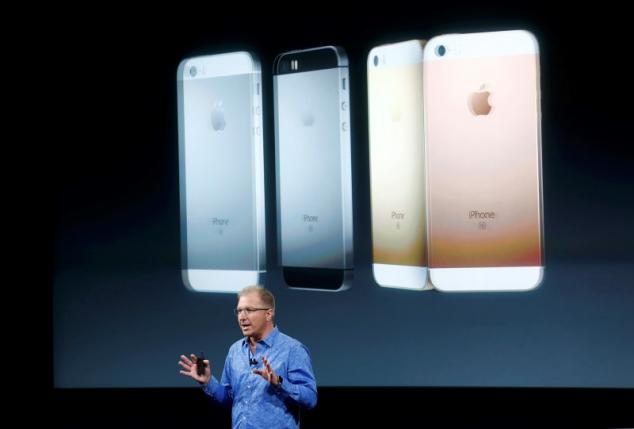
column 257, row 403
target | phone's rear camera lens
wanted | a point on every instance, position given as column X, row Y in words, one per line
column 193, row 71
column 441, row 50
column 376, row 60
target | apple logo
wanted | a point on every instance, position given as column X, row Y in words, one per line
column 308, row 119
column 218, row 116
column 479, row 102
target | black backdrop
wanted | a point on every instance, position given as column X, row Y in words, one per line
column 110, row 88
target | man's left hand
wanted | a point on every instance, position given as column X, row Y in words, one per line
column 267, row 373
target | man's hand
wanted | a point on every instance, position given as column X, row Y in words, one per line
column 267, row 373
column 189, row 369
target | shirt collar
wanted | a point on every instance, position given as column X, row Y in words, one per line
column 268, row 341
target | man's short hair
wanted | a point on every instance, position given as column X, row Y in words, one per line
column 265, row 295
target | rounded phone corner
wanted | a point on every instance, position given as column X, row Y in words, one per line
column 530, row 39
column 342, row 56
column 370, row 58
column 276, row 62
column 428, row 48
column 537, row 283
column 253, row 59
column 416, row 44
column 187, row 281
column 348, row 278
column 180, row 70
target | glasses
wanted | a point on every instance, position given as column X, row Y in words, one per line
column 248, row 311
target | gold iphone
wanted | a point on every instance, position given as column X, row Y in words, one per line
column 397, row 165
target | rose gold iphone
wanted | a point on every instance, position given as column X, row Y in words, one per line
column 483, row 147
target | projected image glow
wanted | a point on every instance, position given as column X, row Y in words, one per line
column 483, row 196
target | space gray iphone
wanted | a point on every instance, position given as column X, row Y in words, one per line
column 313, row 168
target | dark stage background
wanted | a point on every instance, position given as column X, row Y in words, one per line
column 121, row 315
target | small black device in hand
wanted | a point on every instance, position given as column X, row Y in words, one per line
column 200, row 364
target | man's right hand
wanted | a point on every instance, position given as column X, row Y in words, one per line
column 189, row 368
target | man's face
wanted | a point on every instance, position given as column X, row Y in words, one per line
column 254, row 323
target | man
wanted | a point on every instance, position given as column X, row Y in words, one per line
column 267, row 375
